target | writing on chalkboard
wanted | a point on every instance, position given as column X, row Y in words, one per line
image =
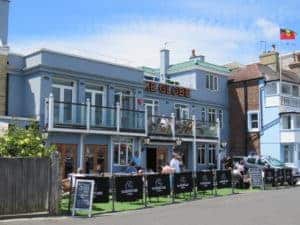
column 256, row 177
column 83, row 198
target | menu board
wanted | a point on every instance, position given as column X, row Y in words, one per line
column 83, row 198
column 224, row 179
column 256, row 177
column 129, row 188
column 158, row 185
column 183, row 182
column 205, row 180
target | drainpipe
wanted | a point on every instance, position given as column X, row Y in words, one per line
column 194, row 145
column 246, row 116
column 51, row 112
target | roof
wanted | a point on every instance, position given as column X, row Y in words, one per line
column 187, row 66
column 260, row 71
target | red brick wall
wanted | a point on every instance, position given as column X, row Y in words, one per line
column 238, row 116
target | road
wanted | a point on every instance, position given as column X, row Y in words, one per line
column 278, row 207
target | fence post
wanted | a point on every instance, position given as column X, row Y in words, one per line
column 54, row 193
column 173, row 125
column 88, row 114
column 113, row 193
column 118, row 119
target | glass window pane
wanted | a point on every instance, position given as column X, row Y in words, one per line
column 116, row 154
column 271, row 88
column 215, row 83
column 286, row 89
column 56, row 93
column 123, row 154
column 88, row 95
column 295, row 90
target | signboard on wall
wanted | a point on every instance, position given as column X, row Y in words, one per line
column 158, row 185
column 129, row 188
column 167, row 89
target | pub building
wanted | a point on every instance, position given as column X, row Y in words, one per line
column 100, row 115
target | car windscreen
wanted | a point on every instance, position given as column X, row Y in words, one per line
column 275, row 162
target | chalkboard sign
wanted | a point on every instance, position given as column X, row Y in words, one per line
column 183, row 182
column 279, row 176
column 256, row 177
column 101, row 188
column 269, row 175
column 158, row 185
column 205, row 180
column 288, row 176
column 129, row 188
column 224, row 178
column 83, row 198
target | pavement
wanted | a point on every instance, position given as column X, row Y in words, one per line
column 276, row 207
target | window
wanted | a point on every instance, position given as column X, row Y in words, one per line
column 181, row 111
column 297, row 121
column 211, row 153
column 271, row 88
column 212, row 82
column 123, row 152
column 211, row 115
column 63, row 92
column 125, row 99
column 288, row 153
column 151, row 106
column 286, row 122
column 285, row 89
column 201, row 154
column 203, row 114
column 96, row 95
column 295, row 90
column 253, row 121
column 221, row 118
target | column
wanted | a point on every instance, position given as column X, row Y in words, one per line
column 81, row 151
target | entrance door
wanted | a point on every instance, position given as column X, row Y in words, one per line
column 151, row 159
column 161, row 158
column 95, row 158
column 68, row 162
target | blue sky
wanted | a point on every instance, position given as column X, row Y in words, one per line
column 133, row 31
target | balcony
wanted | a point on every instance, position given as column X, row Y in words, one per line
column 293, row 102
column 92, row 119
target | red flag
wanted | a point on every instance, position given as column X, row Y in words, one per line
column 287, row 34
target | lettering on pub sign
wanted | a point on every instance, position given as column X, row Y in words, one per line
column 129, row 188
column 167, row 89
column 183, row 182
column 223, row 178
column 158, row 185
column 205, row 180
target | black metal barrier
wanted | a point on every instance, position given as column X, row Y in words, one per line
column 130, row 188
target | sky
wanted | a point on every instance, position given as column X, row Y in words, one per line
column 132, row 32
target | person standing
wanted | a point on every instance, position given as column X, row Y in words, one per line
column 174, row 163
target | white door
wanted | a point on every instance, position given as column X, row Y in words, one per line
column 97, row 104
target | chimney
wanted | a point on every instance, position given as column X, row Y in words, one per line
column 164, row 64
column 195, row 57
column 270, row 59
column 4, row 9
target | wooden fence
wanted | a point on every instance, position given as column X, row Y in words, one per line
column 29, row 185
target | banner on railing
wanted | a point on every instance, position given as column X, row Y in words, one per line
column 129, row 188
column 224, row 178
column 288, row 176
column 269, row 176
column 158, row 185
column 183, row 182
column 205, row 180
column 279, row 176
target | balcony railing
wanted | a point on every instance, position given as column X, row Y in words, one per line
column 62, row 116
column 160, row 125
column 206, row 129
column 184, row 127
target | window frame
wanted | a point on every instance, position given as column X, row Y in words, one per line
column 212, row 151
column 250, row 121
column 212, row 82
column 182, row 109
column 200, row 160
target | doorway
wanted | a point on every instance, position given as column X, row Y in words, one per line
column 151, row 159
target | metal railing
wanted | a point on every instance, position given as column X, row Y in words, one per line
column 206, row 129
column 160, row 125
column 132, row 120
column 290, row 101
column 184, row 127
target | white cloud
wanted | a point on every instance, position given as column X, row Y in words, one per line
column 269, row 29
column 138, row 43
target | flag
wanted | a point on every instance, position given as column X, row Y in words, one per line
column 287, row 34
